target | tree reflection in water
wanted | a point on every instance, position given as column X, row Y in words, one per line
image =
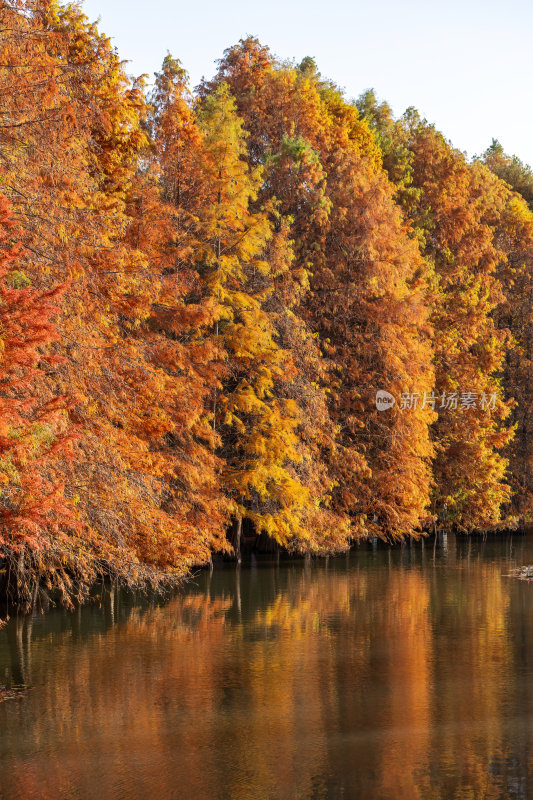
column 394, row 675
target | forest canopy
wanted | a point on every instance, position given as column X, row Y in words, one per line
column 255, row 308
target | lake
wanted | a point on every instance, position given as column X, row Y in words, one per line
column 387, row 674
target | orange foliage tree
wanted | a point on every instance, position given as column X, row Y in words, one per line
column 245, row 270
column 38, row 529
column 455, row 208
column 367, row 285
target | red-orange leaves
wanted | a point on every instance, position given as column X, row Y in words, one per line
column 33, row 426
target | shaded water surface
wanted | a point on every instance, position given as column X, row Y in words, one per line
column 387, row 675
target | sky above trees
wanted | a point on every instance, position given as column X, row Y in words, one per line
column 464, row 65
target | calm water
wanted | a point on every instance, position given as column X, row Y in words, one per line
column 388, row 675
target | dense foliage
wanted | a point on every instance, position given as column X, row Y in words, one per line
column 201, row 296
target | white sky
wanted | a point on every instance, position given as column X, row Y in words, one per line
column 465, row 65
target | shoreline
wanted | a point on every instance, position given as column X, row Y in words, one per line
column 257, row 548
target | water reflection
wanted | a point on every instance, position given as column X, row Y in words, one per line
column 394, row 675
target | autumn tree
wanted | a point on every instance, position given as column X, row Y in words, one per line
column 241, row 272
column 74, row 168
column 454, row 207
column 514, row 233
column 38, row 527
column 367, row 283
column 510, row 169
column 257, row 415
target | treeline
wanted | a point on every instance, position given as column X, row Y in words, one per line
column 202, row 294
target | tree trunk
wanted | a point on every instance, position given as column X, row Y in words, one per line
column 237, row 536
